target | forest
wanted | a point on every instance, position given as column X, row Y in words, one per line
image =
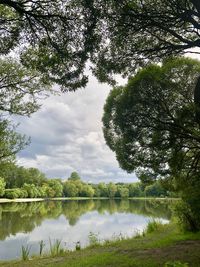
column 19, row 182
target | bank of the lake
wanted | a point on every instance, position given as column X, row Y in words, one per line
column 166, row 244
column 18, row 200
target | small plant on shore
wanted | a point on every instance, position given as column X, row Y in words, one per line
column 138, row 234
column 93, row 239
column 25, row 252
column 55, row 248
column 176, row 264
column 114, row 238
column 153, row 226
column 78, row 245
column 42, row 245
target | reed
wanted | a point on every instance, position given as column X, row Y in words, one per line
column 25, row 252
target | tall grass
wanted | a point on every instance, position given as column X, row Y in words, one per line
column 55, row 248
column 25, row 252
column 42, row 245
column 153, row 226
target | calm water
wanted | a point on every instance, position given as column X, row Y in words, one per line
column 72, row 221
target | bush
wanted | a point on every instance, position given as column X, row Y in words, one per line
column 187, row 219
column 2, row 187
column 93, row 239
column 12, row 193
column 153, row 226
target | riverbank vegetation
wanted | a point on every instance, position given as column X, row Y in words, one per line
column 165, row 245
column 19, row 182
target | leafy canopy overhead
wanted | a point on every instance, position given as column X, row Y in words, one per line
column 11, row 142
column 150, row 123
column 57, row 38
column 20, row 88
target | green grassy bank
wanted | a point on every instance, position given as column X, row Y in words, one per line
column 165, row 244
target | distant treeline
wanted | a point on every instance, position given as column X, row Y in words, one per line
column 20, row 182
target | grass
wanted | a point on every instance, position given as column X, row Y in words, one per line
column 25, row 252
column 41, row 245
column 153, row 226
column 165, row 246
column 55, row 248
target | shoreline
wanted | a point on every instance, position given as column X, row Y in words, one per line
column 152, row 248
column 22, row 200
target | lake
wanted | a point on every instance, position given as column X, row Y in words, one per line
column 72, row 221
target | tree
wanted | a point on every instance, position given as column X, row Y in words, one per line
column 123, row 191
column 103, row 189
column 10, row 141
column 155, row 132
column 150, row 124
column 2, row 187
column 87, row 191
column 117, row 36
column 57, row 186
column 155, row 190
column 143, row 31
column 19, row 92
column 61, row 36
column 20, row 88
column 135, row 190
column 74, row 177
column 16, row 176
column 53, row 37
column 70, row 189
column 112, row 189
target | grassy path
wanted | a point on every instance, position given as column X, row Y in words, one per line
column 153, row 250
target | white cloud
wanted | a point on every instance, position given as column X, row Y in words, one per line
column 67, row 135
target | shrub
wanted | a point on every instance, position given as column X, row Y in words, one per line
column 153, row 226
column 93, row 239
column 2, row 187
column 187, row 219
column 12, row 193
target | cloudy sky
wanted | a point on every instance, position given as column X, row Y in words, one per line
column 66, row 135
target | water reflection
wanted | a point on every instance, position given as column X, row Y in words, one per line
column 71, row 221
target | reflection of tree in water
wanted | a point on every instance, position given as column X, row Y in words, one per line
column 151, row 208
column 75, row 208
column 24, row 217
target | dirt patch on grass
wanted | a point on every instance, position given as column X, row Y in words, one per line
column 184, row 251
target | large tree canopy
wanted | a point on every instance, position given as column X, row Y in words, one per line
column 151, row 126
column 54, row 37
column 58, row 37
column 150, row 123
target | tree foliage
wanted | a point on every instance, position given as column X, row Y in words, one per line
column 74, row 177
column 20, row 88
column 10, row 141
column 54, row 37
column 58, row 37
column 2, row 187
column 151, row 125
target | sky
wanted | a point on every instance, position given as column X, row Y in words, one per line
column 66, row 136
